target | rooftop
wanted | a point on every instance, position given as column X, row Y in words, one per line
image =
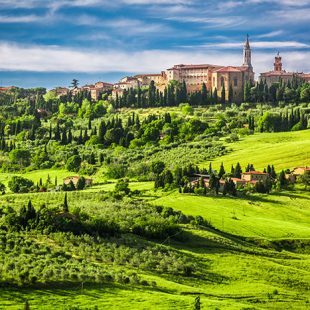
column 255, row 172
column 202, row 66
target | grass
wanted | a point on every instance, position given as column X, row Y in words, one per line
column 283, row 150
column 280, row 215
column 237, row 273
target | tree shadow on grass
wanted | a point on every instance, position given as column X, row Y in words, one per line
column 227, row 243
column 292, row 195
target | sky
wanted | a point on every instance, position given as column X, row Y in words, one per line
column 47, row 43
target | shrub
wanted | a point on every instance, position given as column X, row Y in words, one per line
column 73, row 163
column 19, row 184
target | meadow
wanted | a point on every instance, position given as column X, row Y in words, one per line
column 285, row 150
column 256, row 255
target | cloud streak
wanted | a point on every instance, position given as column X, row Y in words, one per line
column 59, row 59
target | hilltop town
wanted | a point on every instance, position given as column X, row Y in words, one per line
column 215, row 77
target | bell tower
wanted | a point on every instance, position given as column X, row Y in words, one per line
column 247, row 53
column 277, row 63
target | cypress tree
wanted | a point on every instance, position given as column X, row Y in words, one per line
column 64, row 139
column 210, row 169
column 282, row 180
column 230, row 94
column 26, row 305
column 57, row 132
column 215, row 97
column 247, row 91
column 232, row 170
column 65, row 206
column 204, row 94
column 69, row 140
column 223, row 94
column 102, row 131
column 222, row 171
column 238, row 171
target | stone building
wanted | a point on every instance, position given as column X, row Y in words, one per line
column 213, row 76
column 159, row 79
column 216, row 76
column 279, row 74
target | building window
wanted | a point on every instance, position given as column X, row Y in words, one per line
column 222, row 81
column 235, row 82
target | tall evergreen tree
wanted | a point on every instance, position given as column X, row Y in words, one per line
column 238, row 171
column 204, row 94
column 65, row 205
column 222, row 171
column 230, row 94
column 247, row 92
column 223, row 94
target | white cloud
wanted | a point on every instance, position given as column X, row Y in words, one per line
column 259, row 44
column 270, row 34
column 282, row 2
column 59, row 59
column 20, row 19
column 210, row 22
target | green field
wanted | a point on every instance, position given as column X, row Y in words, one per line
column 281, row 215
column 242, row 266
column 285, row 150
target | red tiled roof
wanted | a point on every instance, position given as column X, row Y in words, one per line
column 278, row 73
column 7, row 88
column 152, row 74
column 104, row 83
column 203, row 66
column 238, row 180
column 254, row 172
column 229, row 69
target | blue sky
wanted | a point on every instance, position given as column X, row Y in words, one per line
column 47, row 43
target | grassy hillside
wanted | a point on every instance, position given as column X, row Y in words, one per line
column 283, row 149
column 269, row 269
column 281, row 215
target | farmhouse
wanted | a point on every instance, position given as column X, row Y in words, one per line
column 75, row 179
column 300, row 170
column 254, row 176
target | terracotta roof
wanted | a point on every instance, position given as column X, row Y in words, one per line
column 254, row 172
column 203, row 66
column 279, row 73
column 304, row 168
column 229, row 69
column 238, row 180
column 72, row 177
column 7, row 88
column 152, row 74
column 104, row 83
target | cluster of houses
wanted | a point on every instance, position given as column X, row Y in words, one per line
column 95, row 90
column 249, row 178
